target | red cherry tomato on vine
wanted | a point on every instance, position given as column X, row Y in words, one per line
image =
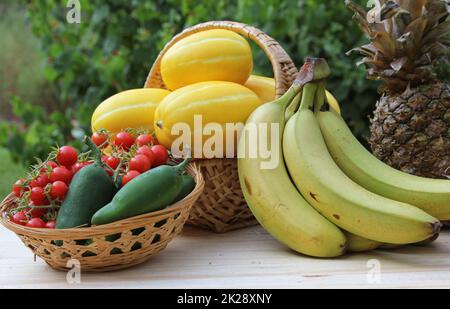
column 140, row 163
column 78, row 166
column 144, row 139
column 37, row 196
column 147, row 151
column 20, row 218
column 36, row 223
column 61, row 173
column 50, row 224
column 37, row 212
column 18, row 189
column 52, row 164
column 67, row 156
column 58, row 190
column 99, row 139
column 48, row 167
column 124, row 140
column 40, row 181
column 129, row 176
column 161, row 155
column 112, row 162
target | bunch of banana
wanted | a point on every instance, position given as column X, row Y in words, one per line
column 334, row 195
column 430, row 195
column 269, row 192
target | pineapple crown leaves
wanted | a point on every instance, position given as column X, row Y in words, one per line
column 407, row 38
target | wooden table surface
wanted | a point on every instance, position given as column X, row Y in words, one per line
column 247, row 258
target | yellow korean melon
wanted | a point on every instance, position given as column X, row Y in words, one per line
column 216, row 104
column 128, row 109
column 264, row 87
column 213, row 55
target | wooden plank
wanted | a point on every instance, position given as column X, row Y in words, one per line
column 248, row 258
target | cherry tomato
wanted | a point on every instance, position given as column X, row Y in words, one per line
column 37, row 212
column 129, row 176
column 78, row 166
column 18, row 189
column 124, row 140
column 61, row 173
column 140, row 163
column 147, row 151
column 37, row 196
column 50, row 224
column 144, row 139
column 20, row 218
column 52, row 164
column 161, row 155
column 67, row 156
column 36, row 223
column 112, row 162
column 99, row 139
column 58, row 190
column 48, row 166
column 40, row 181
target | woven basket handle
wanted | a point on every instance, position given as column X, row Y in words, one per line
column 283, row 66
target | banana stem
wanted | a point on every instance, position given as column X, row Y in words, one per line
column 320, row 102
column 293, row 107
column 287, row 98
column 313, row 70
column 308, row 96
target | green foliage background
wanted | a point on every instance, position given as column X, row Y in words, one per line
column 117, row 41
column 114, row 46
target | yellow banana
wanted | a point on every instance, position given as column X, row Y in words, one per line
column 336, row 196
column 272, row 197
column 356, row 243
column 431, row 195
column 423, row 243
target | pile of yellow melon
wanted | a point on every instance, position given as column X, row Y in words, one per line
column 207, row 74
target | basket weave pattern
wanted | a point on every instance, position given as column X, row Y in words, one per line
column 111, row 246
column 222, row 207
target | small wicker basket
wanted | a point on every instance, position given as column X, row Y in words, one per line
column 111, row 246
column 222, row 206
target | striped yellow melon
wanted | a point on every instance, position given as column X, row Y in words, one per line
column 213, row 55
column 128, row 109
column 264, row 87
column 216, row 102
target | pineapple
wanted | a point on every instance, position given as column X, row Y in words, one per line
column 410, row 129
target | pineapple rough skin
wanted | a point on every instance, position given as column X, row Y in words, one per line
column 412, row 132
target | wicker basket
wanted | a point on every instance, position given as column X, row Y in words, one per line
column 222, row 207
column 111, row 246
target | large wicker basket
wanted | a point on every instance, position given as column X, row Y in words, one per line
column 112, row 246
column 222, row 206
